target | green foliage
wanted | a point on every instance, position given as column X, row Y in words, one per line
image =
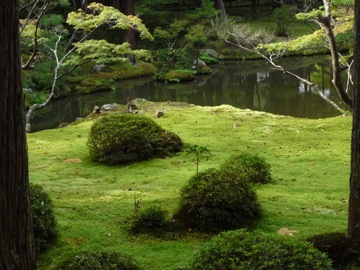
column 208, row 59
column 198, row 152
column 214, row 201
column 159, row 13
column 205, row 13
column 97, row 259
column 43, row 218
column 102, row 51
column 52, row 20
column 196, row 36
column 344, row 252
column 169, row 50
column 152, row 221
column 242, row 250
column 109, row 53
column 34, row 97
column 101, row 15
column 284, row 18
column 43, row 75
column 127, row 138
column 177, row 45
column 250, row 167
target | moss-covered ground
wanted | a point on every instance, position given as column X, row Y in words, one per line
column 93, row 203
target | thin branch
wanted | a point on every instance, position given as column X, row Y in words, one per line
column 28, row 16
column 336, row 67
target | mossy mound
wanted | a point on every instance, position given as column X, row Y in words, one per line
column 179, row 75
column 87, row 82
column 127, row 138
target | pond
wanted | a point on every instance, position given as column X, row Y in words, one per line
column 242, row 84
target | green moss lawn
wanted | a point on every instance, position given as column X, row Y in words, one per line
column 93, row 203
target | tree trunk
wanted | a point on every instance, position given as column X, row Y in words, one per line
column 16, row 236
column 253, row 9
column 128, row 8
column 220, row 6
column 354, row 201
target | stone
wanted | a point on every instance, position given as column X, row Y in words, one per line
column 97, row 68
column 210, row 52
column 159, row 114
column 96, row 109
column 109, row 107
column 199, row 64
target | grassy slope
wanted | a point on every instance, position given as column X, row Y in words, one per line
column 310, row 165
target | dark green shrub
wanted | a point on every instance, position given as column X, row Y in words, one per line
column 90, row 260
column 152, row 220
column 242, row 250
column 344, row 252
column 248, row 166
column 126, row 138
column 216, row 200
column 43, row 218
column 167, row 143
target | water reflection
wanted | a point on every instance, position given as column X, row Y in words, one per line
column 243, row 84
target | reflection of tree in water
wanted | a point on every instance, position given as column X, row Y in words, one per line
column 250, row 84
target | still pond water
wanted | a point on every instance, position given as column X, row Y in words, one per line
column 242, row 84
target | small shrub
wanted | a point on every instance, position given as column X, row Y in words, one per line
column 248, row 166
column 208, row 59
column 242, row 250
column 43, row 218
column 127, row 138
column 89, row 260
column 216, row 200
column 152, row 221
column 344, row 252
column 284, row 17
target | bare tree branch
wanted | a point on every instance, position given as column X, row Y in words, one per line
column 244, row 38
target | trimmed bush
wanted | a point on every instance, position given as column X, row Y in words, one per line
column 344, row 252
column 127, row 138
column 214, row 201
column 43, row 218
column 166, row 143
column 242, row 250
column 252, row 168
column 151, row 221
column 89, row 260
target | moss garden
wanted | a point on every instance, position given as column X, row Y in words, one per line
column 157, row 212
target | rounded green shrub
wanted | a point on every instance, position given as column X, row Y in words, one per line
column 216, row 200
column 152, row 221
column 89, row 260
column 44, row 225
column 344, row 252
column 127, row 138
column 242, row 250
column 251, row 167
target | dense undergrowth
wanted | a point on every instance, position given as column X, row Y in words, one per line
column 94, row 203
